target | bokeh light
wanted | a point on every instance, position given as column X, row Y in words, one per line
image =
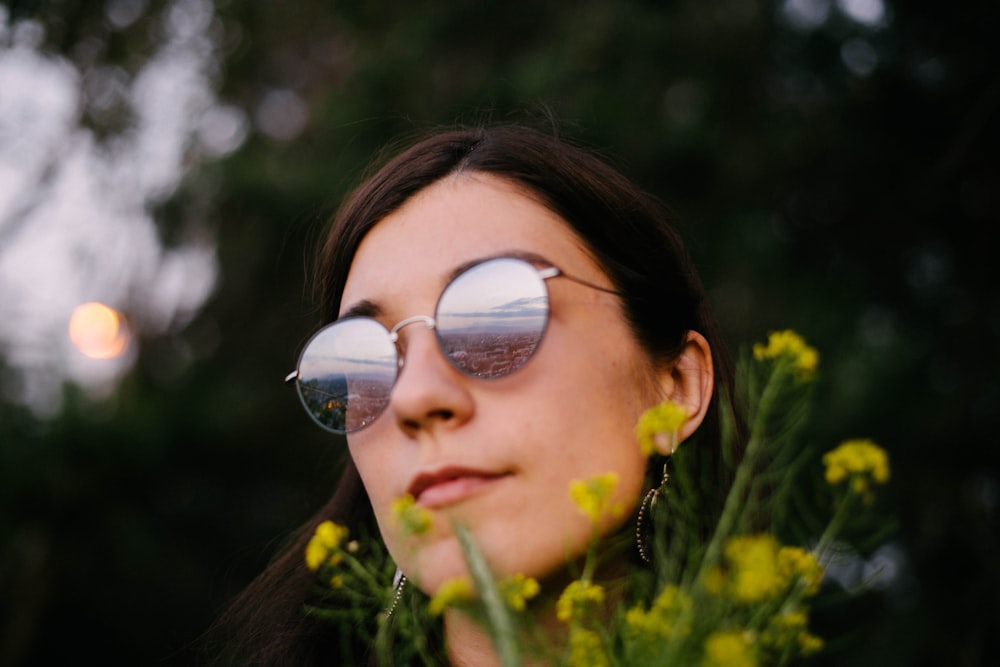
column 98, row 331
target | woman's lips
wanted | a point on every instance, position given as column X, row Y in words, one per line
column 450, row 485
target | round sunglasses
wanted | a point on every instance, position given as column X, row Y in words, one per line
column 489, row 320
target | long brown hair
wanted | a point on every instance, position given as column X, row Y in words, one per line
column 625, row 229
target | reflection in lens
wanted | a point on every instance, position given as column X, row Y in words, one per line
column 346, row 373
column 491, row 318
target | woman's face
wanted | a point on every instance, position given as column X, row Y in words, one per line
column 495, row 455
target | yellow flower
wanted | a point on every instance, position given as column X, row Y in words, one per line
column 760, row 568
column 809, row 643
column 586, row 649
column 754, row 559
column 517, row 590
column 324, row 545
column 789, row 345
column 415, row 520
column 452, row 592
column 593, row 496
column 861, row 461
column 795, row 562
column 576, row 598
column 731, row 648
column 789, row 630
column 666, row 618
column 657, row 428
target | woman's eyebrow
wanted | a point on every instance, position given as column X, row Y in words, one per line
column 363, row 308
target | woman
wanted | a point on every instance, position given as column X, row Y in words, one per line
column 490, row 436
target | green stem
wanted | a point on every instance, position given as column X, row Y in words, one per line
column 736, row 499
column 362, row 572
column 837, row 522
column 503, row 630
column 590, row 561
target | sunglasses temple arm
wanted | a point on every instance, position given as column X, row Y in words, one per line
column 553, row 272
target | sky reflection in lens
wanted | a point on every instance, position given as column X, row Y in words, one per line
column 504, row 295
column 357, row 346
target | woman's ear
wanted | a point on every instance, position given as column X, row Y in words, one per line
column 689, row 381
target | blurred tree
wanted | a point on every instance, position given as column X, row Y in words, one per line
column 833, row 164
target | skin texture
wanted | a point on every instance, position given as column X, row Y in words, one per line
column 567, row 414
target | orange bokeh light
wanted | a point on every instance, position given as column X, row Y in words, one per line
column 98, row 331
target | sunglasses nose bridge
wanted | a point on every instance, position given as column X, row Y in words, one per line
column 428, row 321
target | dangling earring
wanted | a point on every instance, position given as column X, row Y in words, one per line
column 643, row 533
column 398, row 583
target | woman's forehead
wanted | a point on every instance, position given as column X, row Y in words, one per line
column 461, row 219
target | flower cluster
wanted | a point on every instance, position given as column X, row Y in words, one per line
column 758, row 568
column 861, row 462
column 517, row 590
column 657, row 429
column 324, row 550
column 579, row 599
column 595, row 497
column 788, row 632
column 414, row 520
column 451, row 593
column 729, row 648
column 579, row 607
column 667, row 618
column 791, row 347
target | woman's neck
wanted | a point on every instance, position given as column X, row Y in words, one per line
column 468, row 644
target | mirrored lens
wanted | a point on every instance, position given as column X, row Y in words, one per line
column 346, row 373
column 491, row 319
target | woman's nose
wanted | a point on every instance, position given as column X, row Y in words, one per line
column 429, row 392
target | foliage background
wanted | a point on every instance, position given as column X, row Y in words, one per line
column 835, row 176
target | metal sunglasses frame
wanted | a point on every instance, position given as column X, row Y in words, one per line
column 544, row 273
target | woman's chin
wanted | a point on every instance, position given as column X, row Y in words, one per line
column 434, row 566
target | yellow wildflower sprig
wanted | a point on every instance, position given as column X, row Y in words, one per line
column 324, row 552
column 579, row 607
column 336, row 563
column 861, row 463
column 730, row 648
column 414, row 519
column 578, row 600
column 786, row 348
column 790, row 347
column 594, row 497
column 324, row 546
column 452, row 593
column 517, row 590
column 668, row 617
column 758, row 569
column 585, row 649
column 657, row 429
column 787, row 635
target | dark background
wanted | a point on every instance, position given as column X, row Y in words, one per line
column 837, row 178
